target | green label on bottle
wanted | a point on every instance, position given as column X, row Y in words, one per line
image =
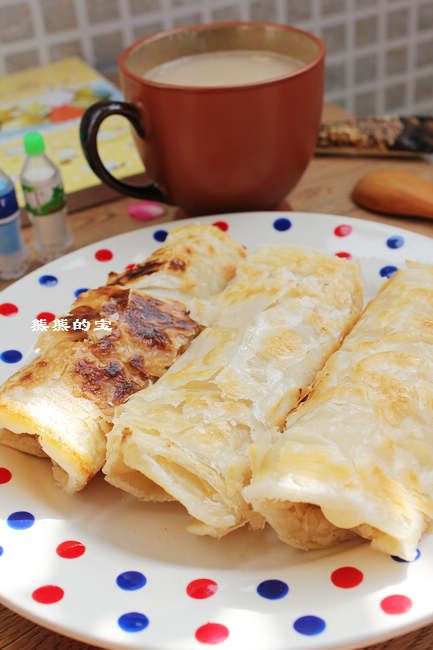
column 43, row 199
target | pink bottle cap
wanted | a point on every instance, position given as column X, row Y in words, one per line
column 146, row 210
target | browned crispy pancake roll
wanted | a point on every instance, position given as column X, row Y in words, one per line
column 61, row 405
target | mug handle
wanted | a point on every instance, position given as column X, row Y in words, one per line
column 89, row 127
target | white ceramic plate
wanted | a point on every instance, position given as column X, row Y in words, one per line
column 109, row 570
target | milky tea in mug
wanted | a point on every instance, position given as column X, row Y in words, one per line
column 224, row 68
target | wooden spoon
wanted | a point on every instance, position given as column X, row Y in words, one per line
column 395, row 192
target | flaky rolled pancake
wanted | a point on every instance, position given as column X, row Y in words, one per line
column 277, row 322
column 61, row 405
column 357, row 456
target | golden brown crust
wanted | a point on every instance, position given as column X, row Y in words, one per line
column 137, row 271
column 180, row 261
column 107, row 384
column 66, row 397
column 107, row 367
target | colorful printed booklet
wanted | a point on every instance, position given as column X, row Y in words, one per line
column 52, row 99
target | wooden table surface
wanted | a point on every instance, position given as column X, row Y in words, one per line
column 326, row 187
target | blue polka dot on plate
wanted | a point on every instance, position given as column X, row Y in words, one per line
column 11, row 356
column 160, row 235
column 1, row 551
column 282, row 224
column 309, row 625
column 20, row 520
column 388, row 271
column 131, row 580
column 48, row 280
column 396, row 241
column 400, row 559
column 78, row 291
column 133, row 622
column 273, row 589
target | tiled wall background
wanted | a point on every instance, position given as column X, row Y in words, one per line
column 380, row 52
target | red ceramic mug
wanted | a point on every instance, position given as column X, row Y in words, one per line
column 221, row 148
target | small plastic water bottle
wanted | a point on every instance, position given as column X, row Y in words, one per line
column 14, row 260
column 45, row 200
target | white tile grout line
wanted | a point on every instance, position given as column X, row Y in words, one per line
column 62, row 37
column 219, row 4
column 281, row 7
column 349, row 67
column 146, row 19
column 167, row 17
column 380, row 96
column 411, row 68
column 83, row 23
column 423, row 107
column 362, row 13
column 39, row 28
column 245, row 9
column 126, row 22
column 18, row 46
column 31, row 43
column 316, row 17
column 207, row 16
column 179, row 12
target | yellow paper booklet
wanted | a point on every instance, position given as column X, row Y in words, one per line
column 52, row 99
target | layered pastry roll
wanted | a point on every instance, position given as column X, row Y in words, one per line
column 61, row 404
column 357, row 456
column 276, row 323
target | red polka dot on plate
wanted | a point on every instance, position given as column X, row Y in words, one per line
column 396, row 604
column 222, row 225
column 344, row 255
column 343, row 230
column 104, row 255
column 48, row 594
column 8, row 309
column 129, row 266
column 70, row 549
column 347, row 577
column 5, row 475
column 48, row 316
column 211, row 633
column 201, row 588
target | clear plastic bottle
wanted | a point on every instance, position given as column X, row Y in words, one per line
column 45, row 200
column 14, row 259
